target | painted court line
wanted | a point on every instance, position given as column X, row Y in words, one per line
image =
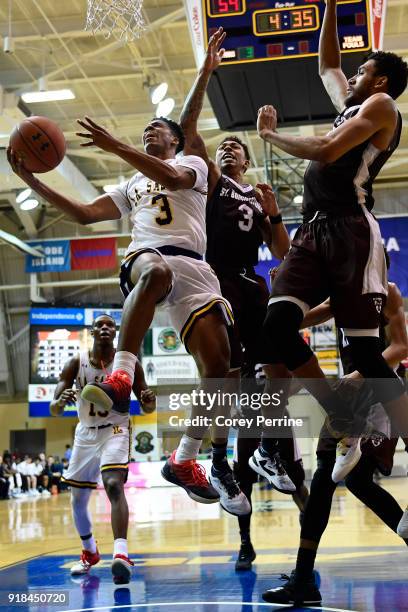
column 206, row 603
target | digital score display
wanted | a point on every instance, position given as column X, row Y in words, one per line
column 226, row 7
column 286, row 20
column 262, row 30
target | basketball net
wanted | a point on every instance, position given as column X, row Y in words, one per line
column 121, row 18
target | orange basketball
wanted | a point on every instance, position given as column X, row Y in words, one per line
column 39, row 142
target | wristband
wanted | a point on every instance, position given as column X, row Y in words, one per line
column 275, row 219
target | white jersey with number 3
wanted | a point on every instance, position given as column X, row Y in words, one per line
column 164, row 217
column 89, row 414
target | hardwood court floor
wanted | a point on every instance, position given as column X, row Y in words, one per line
column 185, row 553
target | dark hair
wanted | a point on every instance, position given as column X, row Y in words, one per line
column 394, row 68
column 104, row 314
column 239, row 141
column 176, row 129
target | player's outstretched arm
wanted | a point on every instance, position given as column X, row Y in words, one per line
column 172, row 177
column 330, row 70
column 194, row 102
column 376, row 118
column 100, row 209
column 64, row 394
column 274, row 233
column 318, row 314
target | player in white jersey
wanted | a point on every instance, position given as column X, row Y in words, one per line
column 165, row 266
column 101, row 446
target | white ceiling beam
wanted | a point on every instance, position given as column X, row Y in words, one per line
column 25, row 217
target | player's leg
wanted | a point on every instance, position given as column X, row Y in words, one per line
column 82, row 477
column 246, row 477
column 301, row 587
column 360, row 482
column 146, row 280
column 292, row 462
column 114, row 449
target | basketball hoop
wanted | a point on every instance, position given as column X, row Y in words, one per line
column 121, row 18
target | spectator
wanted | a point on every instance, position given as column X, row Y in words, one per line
column 65, row 463
column 55, row 469
column 40, row 472
column 68, row 452
column 28, row 473
column 4, row 481
column 14, row 478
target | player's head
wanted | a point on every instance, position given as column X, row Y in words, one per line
column 162, row 135
column 232, row 155
column 103, row 330
column 381, row 72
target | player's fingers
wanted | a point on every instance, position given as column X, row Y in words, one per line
column 84, row 134
column 93, row 123
column 221, row 53
column 87, row 144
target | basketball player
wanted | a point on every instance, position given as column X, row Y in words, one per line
column 377, row 453
column 337, row 251
column 101, row 446
column 164, row 265
column 239, row 220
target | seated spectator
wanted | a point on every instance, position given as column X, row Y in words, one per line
column 65, row 463
column 28, row 474
column 68, row 452
column 14, row 478
column 55, row 471
column 40, row 472
column 4, row 481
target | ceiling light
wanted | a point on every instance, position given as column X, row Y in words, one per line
column 298, row 199
column 165, row 107
column 157, row 93
column 23, row 195
column 29, row 204
column 48, row 96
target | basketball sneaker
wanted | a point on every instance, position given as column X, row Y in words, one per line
column 294, row 592
column 402, row 528
column 246, row 556
column 232, row 499
column 272, row 469
column 112, row 393
column 121, row 569
column 85, row 563
column 191, row 477
column 348, row 455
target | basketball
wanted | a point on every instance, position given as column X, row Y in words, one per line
column 39, row 142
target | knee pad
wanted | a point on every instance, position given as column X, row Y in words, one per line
column 281, row 332
column 368, row 360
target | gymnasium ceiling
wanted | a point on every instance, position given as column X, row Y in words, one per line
column 109, row 81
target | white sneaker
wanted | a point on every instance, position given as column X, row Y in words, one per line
column 232, row 499
column 45, row 493
column 272, row 469
column 348, row 455
column 85, row 563
column 402, row 528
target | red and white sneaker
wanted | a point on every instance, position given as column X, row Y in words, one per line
column 192, row 478
column 112, row 393
column 121, row 569
column 85, row 563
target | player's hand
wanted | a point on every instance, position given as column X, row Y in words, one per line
column 97, row 136
column 214, row 54
column 267, row 121
column 67, row 398
column 273, row 272
column 17, row 165
column 148, row 401
column 266, row 198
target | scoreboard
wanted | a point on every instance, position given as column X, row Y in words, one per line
column 269, row 45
